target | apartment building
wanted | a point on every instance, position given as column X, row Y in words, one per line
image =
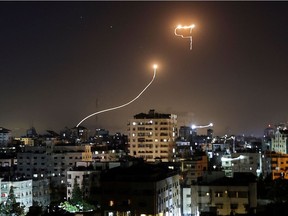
column 225, row 196
column 41, row 192
column 242, row 162
column 22, row 191
column 277, row 164
column 186, row 201
column 26, row 140
column 5, row 136
column 152, row 136
column 51, row 160
column 141, row 189
column 279, row 143
column 85, row 177
column 194, row 168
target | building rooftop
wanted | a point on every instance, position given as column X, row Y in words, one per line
column 152, row 114
column 238, row 179
column 139, row 172
column 4, row 130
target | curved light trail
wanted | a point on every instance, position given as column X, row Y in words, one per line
column 126, row 104
column 233, row 159
column 201, row 126
column 181, row 35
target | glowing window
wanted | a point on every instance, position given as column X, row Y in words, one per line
column 111, row 203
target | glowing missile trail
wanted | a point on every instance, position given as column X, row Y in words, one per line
column 241, row 157
column 201, row 126
column 181, row 35
column 126, row 104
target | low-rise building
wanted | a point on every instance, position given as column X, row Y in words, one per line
column 193, row 168
column 276, row 164
column 223, row 196
column 85, row 178
column 51, row 160
column 242, row 162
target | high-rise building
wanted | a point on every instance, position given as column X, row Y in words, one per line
column 152, row 136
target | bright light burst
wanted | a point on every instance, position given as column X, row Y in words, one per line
column 190, row 27
column 155, row 66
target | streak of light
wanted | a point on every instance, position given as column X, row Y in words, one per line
column 201, row 126
column 126, row 104
column 233, row 159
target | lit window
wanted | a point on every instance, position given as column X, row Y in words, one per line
column 111, row 203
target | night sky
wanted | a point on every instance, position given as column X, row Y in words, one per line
column 61, row 61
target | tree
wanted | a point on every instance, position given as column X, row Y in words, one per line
column 76, row 203
column 77, row 195
column 11, row 207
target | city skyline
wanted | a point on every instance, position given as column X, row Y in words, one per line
column 61, row 61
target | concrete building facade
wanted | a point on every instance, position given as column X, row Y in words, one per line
column 242, row 162
column 152, row 136
column 225, row 196
column 279, row 143
column 22, row 190
column 141, row 189
column 51, row 161
column 5, row 136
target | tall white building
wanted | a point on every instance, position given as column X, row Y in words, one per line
column 22, row 190
column 152, row 136
column 279, row 143
column 186, row 201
